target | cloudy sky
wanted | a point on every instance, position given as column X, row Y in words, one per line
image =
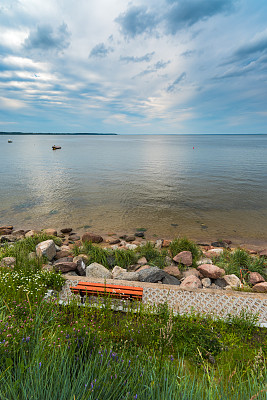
column 150, row 66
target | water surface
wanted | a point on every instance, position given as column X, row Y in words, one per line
column 202, row 186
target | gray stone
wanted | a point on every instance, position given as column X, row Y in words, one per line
column 214, row 286
column 170, row 280
column 153, row 275
column 206, row 282
column 232, row 280
column 220, row 282
column 96, row 270
column 117, row 271
column 47, row 249
column 128, row 276
column 131, row 246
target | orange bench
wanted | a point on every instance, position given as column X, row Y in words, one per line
column 99, row 289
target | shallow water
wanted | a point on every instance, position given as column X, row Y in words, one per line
column 202, row 186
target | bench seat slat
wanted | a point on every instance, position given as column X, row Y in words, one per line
column 98, row 289
column 108, row 290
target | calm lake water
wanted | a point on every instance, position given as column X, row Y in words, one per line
column 202, row 186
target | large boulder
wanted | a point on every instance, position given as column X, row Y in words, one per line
column 152, row 275
column 47, row 249
column 211, row 271
column 96, row 270
column 255, row 277
column 191, row 282
column 91, row 237
column 260, row 287
column 184, row 257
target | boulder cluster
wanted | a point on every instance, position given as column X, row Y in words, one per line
column 178, row 272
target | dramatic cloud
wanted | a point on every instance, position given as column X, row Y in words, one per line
column 176, row 66
column 100, row 50
column 136, row 20
column 184, row 13
column 147, row 57
column 45, row 38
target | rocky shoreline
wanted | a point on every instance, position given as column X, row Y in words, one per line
column 178, row 270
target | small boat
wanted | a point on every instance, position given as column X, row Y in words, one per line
column 9, row 141
column 56, row 147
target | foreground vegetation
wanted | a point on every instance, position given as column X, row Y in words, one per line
column 54, row 351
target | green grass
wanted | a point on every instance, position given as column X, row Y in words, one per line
column 184, row 244
column 95, row 353
column 239, row 259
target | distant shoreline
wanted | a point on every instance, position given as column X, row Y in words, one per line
column 49, row 133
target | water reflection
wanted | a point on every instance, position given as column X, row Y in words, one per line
column 124, row 182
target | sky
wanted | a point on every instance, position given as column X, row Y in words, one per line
column 151, row 66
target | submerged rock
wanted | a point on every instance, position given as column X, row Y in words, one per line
column 91, row 237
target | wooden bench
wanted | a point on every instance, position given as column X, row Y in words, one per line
column 85, row 289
